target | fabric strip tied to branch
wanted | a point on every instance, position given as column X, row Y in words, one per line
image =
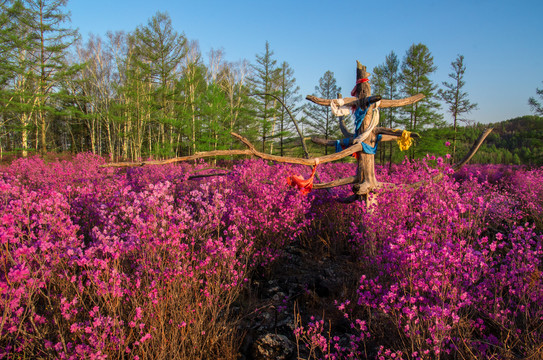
column 305, row 186
column 405, row 141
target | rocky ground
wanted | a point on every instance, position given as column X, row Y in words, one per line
column 305, row 283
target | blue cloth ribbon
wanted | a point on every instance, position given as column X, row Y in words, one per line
column 341, row 144
column 359, row 116
column 371, row 149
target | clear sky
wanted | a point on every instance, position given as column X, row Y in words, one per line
column 501, row 40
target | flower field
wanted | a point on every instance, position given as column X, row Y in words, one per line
column 149, row 263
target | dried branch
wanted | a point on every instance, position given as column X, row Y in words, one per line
column 473, row 149
column 365, row 187
column 180, row 159
column 250, row 151
column 385, row 103
column 346, row 133
column 205, row 176
column 325, row 142
column 392, row 132
column 455, row 167
column 339, row 182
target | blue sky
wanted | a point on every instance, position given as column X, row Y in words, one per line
column 501, row 40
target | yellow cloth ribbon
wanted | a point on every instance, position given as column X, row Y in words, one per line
column 405, row 141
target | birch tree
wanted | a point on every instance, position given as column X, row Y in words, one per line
column 192, row 83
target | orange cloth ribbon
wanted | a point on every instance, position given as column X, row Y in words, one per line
column 305, row 186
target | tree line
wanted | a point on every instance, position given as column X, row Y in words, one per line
column 150, row 92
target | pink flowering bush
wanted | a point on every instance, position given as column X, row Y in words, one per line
column 145, row 263
column 140, row 263
column 448, row 269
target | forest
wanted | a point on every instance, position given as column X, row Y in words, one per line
column 150, row 93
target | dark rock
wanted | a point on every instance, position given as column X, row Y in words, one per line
column 272, row 346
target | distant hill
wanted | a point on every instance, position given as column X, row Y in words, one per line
column 515, row 141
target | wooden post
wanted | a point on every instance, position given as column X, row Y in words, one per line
column 366, row 162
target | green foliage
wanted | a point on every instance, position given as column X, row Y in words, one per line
column 320, row 119
column 148, row 93
column 33, row 66
column 264, row 81
column 535, row 104
column 386, row 82
column 288, row 92
column 214, row 133
column 417, row 66
column 517, row 141
column 454, row 96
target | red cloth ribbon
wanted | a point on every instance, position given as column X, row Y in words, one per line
column 355, row 155
column 305, row 186
column 359, row 81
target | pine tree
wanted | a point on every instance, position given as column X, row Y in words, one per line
column 48, row 44
column 535, row 105
column 8, row 14
column 388, row 87
column 288, row 93
column 417, row 66
column 191, row 84
column 215, row 113
column 264, row 81
column 160, row 50
column 456, row 99
column 19, row 71
column 320, row 118
column 8, row 39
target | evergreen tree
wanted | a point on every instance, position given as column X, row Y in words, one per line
column 264, row 81
column 535, row 105
column 159, row 51
column 191, row 84
column 215, row 114
column 288, row 93
column 8, row 14
column 19, row 71
column 48, row 43
column 388, row 87
column 454, row 96
column 320, row 118
column 8, row 39
column 417, row 66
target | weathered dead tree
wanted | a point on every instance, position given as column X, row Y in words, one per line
column 366, row 110
column 362, row 141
